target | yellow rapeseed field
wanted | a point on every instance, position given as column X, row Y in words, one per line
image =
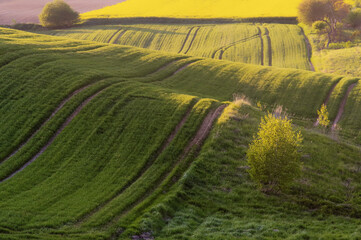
column 198, row 9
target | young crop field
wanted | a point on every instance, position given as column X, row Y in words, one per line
column 198, row 9
column 103, row 141
column 262, row 44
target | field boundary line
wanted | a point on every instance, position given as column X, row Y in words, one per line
column 341, row 108
column 197, row 140
column 51, row 140
column 147, row 165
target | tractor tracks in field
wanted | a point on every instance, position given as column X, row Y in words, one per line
column 269, row 46
column 194, row 144
column 262, row 45
column 65, row 124
column 224, row 48
column 187, row 37
column 58, row 108
column 341, row 108
column 148, row 164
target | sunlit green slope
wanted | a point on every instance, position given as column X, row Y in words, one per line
column 262, row 44
column 198, row 9
column 101, row 141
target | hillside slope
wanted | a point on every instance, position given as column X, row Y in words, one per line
column 262, row 44
column 198, row 9
column 100, row 141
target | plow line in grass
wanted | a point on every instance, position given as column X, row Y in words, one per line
column 51, row 140
column 194, row 37
column 224, row 48
column 147, row 165
column 166, row 179
column 341, row 108
column 186, row 39
column 269, row 46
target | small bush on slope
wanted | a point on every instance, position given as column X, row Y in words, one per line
column 273, row 156
column 58, row 14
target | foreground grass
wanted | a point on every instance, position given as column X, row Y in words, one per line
column 217, row 199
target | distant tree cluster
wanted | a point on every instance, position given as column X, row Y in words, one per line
column 58, row 14
column 330, row 17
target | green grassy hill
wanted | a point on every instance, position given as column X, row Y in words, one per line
column 262, row 44
column 100, row 141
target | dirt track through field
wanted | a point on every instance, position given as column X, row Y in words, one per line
column 119, row 37
column 148, row 164
column 61, row 105
column 269, row 47
column 262, row 45
column 327, row 99
column 186, row 39
column 196, row 141
column 191, row 43
column 111, row 38
column 226, row 47
column 341, row 109
column 51, row 140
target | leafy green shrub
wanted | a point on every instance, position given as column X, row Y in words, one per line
column 354, row 18
column 273, row 155
column 319, row 26
column 58, row 14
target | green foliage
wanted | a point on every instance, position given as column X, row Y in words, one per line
column 58, row 14
column 319, row 26
column 354, row 18
column 273, row 156
column 323, row 116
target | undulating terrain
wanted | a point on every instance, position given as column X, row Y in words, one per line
column 101, row 141
column 262, row 44
column 119, row 128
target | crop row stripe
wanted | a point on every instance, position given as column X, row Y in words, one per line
column 66, row 123
column 197, row 141
column 148, row 164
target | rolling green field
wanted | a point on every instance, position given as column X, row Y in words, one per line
column 262, row 44
column 102, row 141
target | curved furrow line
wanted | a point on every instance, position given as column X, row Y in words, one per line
column 58, row 108
column 116, row 32
column 194, row 37
column 341, row 109
column 262, row 45
column 186, row 39
column 327, row 99
column 196, row 141
column 269, row 47
column 223, row 48
column 7, row 62
column 148, row 164
column 119, row 36
column 51, row 140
